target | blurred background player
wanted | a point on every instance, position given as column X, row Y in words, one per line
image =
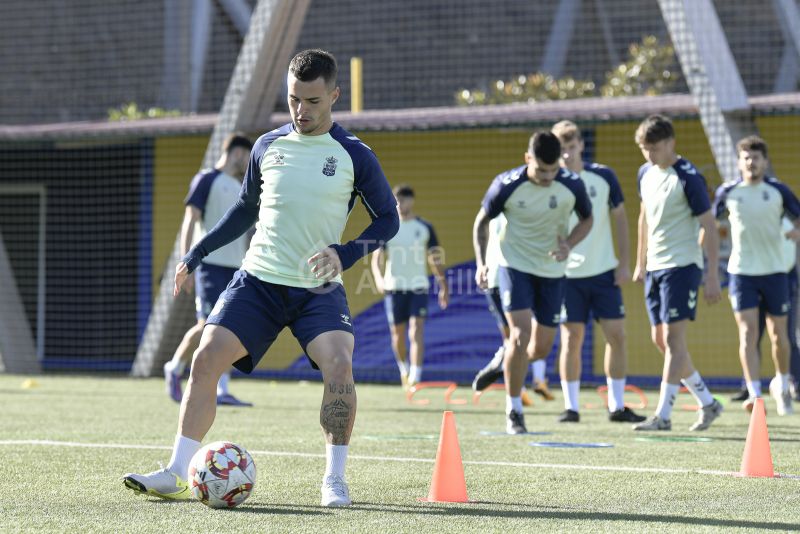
column 756, row 205
column 291, row 274
column 594, row 277
column 405, row 283
column 211, row 194
column 537, row 200
column 494, row 369
column 674, row 208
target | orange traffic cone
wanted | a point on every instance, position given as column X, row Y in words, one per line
column 757, row 459
column 448, row 484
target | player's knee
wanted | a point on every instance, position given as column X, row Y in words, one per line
column 616, row 337
column 204, row 367
column 337, row 365
column 519, row 338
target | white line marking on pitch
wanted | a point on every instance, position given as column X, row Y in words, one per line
column 682, row 471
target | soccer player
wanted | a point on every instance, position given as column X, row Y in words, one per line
column 405, row 283
column 594, row 277
column 211, row 193
column 537, row 200
column 301, row 183
column 669, row 258
column 755, row 206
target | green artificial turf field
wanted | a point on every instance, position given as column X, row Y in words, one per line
column 66, row 442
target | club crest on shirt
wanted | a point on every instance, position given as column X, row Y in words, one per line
column 553, row 202
column 278, row 158
column 592, row 191
column 329, row 169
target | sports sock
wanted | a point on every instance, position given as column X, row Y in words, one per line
column 182, row 452
column 175, row 367
column 571, row 391
column 335, row 458
column 538, row 368
column 694, row 383
column 616, row 392
column 513, row 404
column 783, row 381
column 666, row 399
column 222, row 385
column 415, row 373
column 403, row 367
column 754, row 389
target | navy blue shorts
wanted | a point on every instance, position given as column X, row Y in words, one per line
column 597, row 294
column 770, row 291
column 521, row 291
column 671, row 294
column 257, row 311
column 209, row 283
column 402, row 305
column 496, row 306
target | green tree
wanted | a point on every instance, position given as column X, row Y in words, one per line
column 131, row 111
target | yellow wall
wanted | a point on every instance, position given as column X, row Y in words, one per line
column 450, row 171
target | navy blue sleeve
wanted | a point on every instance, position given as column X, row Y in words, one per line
column 433, row 241
column 642, row 170
column 200, row 188
column 573, row 182
column 615, row 197
column 240, row 217
column 791, row 206
column 720, row 197
column 502, row 186
column 371, row 186
column 694, row 187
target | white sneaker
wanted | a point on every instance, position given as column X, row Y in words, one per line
column 653, row 422
column 164, row 484
column 783, row 399
column 706, row 416
column 335, row 491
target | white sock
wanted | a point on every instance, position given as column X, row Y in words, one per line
column 783, row 381
column 754, row 389
column 403, row 367
column 182, row 452
column 222, row 385
column 513, row 404
column 335, row 458
column 694, row 383
column 415, row 373
column 571, row 391
column 666, row 399
column 616, row 393
column 175, row 367
column 538, row 368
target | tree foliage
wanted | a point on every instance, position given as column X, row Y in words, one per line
column 651, row 69
column 131, row 111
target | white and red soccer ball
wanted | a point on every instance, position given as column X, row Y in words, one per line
column 222, row 475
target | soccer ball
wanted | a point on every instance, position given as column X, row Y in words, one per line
column 222, row 475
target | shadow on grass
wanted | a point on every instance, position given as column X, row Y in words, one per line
column 476, row 509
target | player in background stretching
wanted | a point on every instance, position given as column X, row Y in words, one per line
column 405, row 283
column 594, row 277
column 669, row 258
column 537, row 200
column 211, row 194
column 302, row 181
column 755, row 206
column 494, row 369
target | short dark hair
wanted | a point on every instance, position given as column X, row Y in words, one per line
column 234, row 140
column 545, row 146
column 752, row 143
column 566, row 131
column 653, row 129
column 403, row 190
column 309, row 65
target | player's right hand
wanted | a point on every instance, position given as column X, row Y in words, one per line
column 638, row 274
column 181, row 274
column 482, row 277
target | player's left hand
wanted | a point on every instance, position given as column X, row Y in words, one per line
column 562, row 252
column 326, row 264
column 712, row 291
column 622, row 274
column 793, row 234
column 444, row 297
